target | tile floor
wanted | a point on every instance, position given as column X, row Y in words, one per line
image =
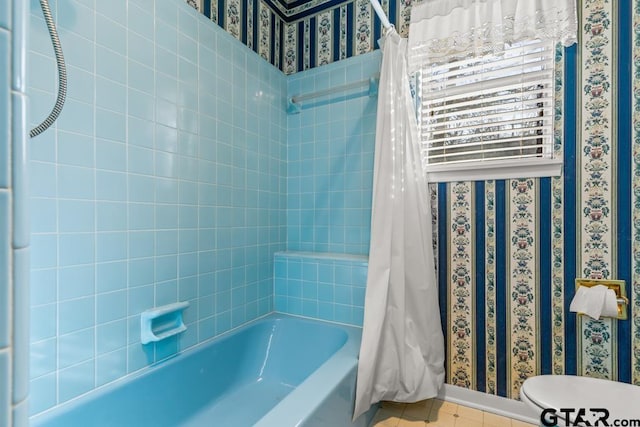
column 438, row 413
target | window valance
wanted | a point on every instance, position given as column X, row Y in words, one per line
column 441, row 29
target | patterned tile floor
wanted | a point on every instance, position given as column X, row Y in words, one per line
column 438, row 413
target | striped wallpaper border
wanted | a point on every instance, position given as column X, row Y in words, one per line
column 313, row 34
column 524, row 282
column 490, row 283
column 557, row 225
column 460, row 310
column 596, row 162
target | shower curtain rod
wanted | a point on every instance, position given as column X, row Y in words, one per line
column 383, row 16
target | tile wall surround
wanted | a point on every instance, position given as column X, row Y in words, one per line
column 162, row 181
column 330, row 159
column 14, row 228
column 326, row 286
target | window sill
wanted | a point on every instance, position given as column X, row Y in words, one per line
column 494, row 170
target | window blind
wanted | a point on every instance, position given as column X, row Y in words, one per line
column 489, row 108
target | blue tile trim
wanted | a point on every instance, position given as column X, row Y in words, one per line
column 570, row 135
column 5, row 108
column 480, row 288
column 501, row 287
column 21, row 231
column 544, row 243
column 5, row 268
column 624, row 179
column 20, row 27
column 5, row 388
column 21, row 300
column 21, row 413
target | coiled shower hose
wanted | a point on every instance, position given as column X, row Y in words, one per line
column 62, row 72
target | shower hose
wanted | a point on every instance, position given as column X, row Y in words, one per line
column 62, row 72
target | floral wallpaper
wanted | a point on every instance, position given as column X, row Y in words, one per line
column 558, row 228
column 513, row 248
column 523, row 277
column 495, row 290
column 461, row 271
column 296, row 36
column 597, row 165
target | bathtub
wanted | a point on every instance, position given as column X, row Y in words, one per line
column 277, row 371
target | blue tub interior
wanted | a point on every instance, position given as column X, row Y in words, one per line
column 232, row 381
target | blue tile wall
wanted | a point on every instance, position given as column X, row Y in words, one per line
column 162, row 181
column 326, row 286
column 14, row 225
column 6, row 248
column 330, row 160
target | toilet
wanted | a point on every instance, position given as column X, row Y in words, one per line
column 583, row 399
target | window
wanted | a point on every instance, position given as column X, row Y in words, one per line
column 490, row 116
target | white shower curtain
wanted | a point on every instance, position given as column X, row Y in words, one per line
column 402, row 350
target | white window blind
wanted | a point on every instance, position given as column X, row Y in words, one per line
column 490, row 111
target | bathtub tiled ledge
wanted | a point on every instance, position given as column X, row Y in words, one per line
column 364, row 259
column 327, row 286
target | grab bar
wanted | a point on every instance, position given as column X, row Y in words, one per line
column 294, row 103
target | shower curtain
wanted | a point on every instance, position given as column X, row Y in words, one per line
column 402, row 350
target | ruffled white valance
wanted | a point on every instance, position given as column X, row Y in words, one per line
column 443, row 28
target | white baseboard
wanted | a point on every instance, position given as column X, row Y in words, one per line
column 489, row 403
